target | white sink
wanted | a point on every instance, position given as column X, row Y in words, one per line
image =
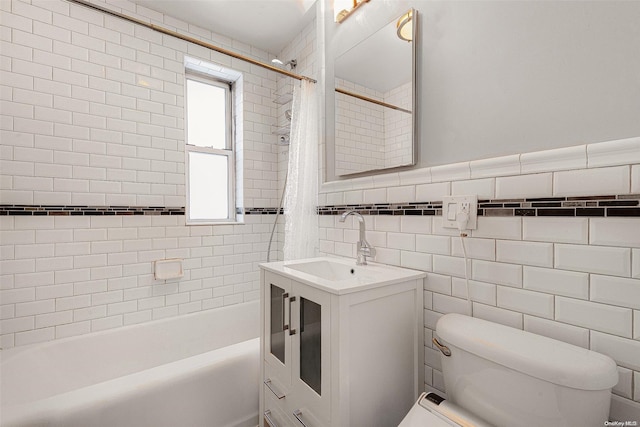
column 341, row 275
column 330, row 269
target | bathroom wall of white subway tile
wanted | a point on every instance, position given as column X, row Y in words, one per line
column 576, row 279
column 92, row 114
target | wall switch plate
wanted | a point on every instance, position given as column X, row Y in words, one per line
column 453, row 205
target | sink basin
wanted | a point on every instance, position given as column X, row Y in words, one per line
column 329, row 269
column 341, row 275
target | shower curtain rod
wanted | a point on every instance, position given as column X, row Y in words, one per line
column 192, row 40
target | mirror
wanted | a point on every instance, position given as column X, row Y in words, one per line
column 375, row 97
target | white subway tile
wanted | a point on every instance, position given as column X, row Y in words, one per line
column 451, row 172
column 558, row 331
column 375, row 195
column 527, row 253
column 562, row 230
column 615, row 232
column 438, row 283
column 403, row 194
column 415, row 176
column 616, row 291
column 452, row 266
column 499, row 273
column 557, row 282
column 445, row 304
column 479, row 291
column 17, row 324
column 35, row 307
column 624, row 387
column 554, row 160
column 353, row 197
column 476, row 248
column 613, row 153
column 387, row 256
column 416, row 260
column 387, row 223
column 600, row 317
column 483, row 188
column 432, row 192
column 415, row 224
column 636, row 392
column 497, row 166
column 73, row 329
column 403, row 241
column 636, row 324
column 106, row 323
column 524, row 186
column 588, row 182
column 35, row 336
column 434, row 244
column 523, row 301
column 594, row 259
column 497, row 315
column 624, row 351
column 636, row 263
column 53, row 319
column 499, row 228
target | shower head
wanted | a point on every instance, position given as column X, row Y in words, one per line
column 293, row 63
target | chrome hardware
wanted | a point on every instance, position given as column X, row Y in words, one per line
column 273, row 389
column 364, row 248
column 267, row 418
column 284, row 323
column 298, row 414
column 291, row 330
column 443, row 348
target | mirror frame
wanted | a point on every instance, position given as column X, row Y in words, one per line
column 330, row 99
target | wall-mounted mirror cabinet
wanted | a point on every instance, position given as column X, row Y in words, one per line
column 371, row 107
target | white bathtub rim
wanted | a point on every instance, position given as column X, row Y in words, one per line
column 41, row 411
column 9, row 353
column 55, row 358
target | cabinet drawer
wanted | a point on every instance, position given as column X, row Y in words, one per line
column 274, row 415
column 273, row 382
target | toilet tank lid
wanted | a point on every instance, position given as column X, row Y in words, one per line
column 537, row 356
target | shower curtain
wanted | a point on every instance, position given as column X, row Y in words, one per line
column 301, row 200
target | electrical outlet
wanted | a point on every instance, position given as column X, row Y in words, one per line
column 453, row 205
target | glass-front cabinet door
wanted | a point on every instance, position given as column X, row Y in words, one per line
column 277, row 323
column 311, row 349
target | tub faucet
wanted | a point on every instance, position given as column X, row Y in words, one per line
column 364, row 248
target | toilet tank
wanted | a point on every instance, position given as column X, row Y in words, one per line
column 510, row 377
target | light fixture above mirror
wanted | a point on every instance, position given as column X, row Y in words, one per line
column 343, row 8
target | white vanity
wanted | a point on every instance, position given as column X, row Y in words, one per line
column 341, row 345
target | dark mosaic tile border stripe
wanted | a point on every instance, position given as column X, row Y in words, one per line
column 590, row 206
column 75, row 210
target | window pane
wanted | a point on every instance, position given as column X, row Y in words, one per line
column 208, row 186
column 206, row 110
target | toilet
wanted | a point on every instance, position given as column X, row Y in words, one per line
column 495, row 375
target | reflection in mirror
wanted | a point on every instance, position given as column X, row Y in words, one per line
column 374, row 101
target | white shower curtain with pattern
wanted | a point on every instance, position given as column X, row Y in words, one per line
column 301, row 200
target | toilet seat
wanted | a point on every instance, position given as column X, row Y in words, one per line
column 432, row 410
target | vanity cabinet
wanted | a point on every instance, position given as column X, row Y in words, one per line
column 334, row 355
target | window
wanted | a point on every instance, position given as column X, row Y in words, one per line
column 210, row 160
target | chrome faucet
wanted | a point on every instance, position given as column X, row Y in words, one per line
column 364, row 248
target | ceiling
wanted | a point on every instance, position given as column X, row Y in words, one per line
column 266, row 24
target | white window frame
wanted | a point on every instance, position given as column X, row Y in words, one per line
column 228, row 151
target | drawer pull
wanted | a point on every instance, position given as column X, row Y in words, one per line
column 298, row 414
column 273, row 389
column 267, row 418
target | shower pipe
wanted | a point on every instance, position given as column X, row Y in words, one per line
column 192, row 40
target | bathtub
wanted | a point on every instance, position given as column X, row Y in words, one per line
column 198, row 370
